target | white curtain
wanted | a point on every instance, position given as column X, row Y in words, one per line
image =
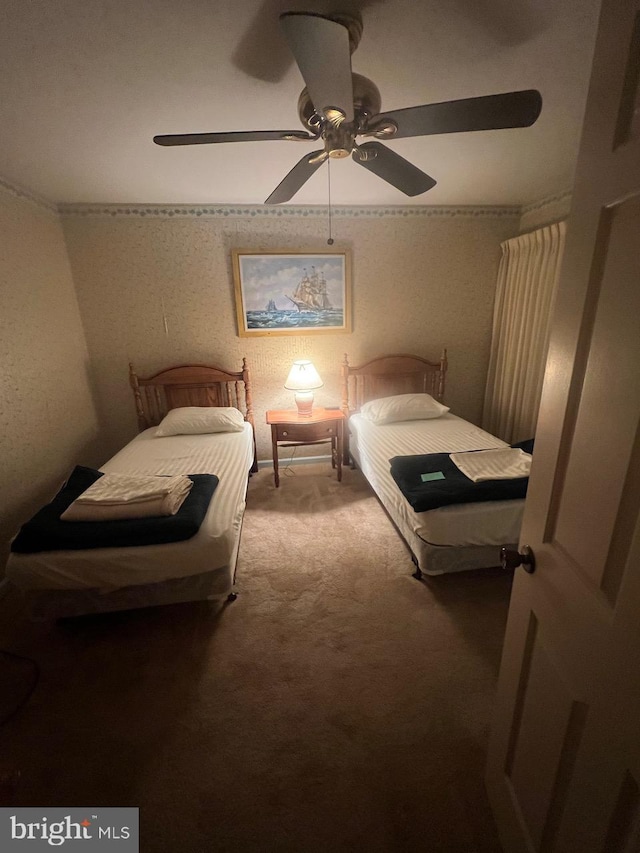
column 525, row 292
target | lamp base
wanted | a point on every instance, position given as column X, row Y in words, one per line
column 304, row 402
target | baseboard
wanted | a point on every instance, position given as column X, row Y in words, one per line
column 290, row 461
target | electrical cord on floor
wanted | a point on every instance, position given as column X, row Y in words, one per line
column 29, row 693
column 288, row 470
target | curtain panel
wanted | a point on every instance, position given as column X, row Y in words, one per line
column 525, row 292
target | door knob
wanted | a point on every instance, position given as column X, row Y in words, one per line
column 512, row 559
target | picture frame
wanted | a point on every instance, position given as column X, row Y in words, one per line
column 292, row 293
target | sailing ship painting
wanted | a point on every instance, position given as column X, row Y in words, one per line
column 311, row 293
column 292, row 293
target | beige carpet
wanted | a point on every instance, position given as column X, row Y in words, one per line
column 337, row 705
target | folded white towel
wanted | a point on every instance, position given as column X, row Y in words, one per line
column 125, row 497
column 506, row 463
column 167, row 505
column 120, row 488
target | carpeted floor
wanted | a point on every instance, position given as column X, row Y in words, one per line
column 337, row 705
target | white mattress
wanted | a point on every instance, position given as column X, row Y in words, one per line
column 228, row 455
column 486, row 523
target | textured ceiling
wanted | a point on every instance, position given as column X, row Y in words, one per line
column 85, row 84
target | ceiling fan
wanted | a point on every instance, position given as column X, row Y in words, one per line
column 338, row 106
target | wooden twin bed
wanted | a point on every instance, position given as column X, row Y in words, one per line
column 75, row 581
column 449, row 539
column 71, row 582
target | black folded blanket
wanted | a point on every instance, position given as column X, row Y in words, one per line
column 46, row 532
column 455, row 487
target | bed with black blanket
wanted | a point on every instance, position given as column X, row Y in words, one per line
column 433, row 480
column 446, row 530
column 194, row 420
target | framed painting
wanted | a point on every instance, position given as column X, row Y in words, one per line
column 292, row 293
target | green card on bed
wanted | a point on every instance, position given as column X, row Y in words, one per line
column 428, row 478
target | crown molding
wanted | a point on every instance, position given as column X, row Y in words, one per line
column 186, row 211
column 27, row 195
column 558, row 198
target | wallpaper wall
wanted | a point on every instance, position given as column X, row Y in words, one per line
column 155, row 287
column 47, row 416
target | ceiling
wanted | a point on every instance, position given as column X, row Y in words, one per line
column 85, row 85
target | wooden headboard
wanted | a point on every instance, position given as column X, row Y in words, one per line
column 389, row 375
column 192, row 385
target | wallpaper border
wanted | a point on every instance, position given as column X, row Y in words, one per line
column 160, row 211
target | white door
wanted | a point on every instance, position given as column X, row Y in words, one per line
column 563, row 770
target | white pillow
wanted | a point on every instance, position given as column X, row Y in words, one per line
column 198, row 420
column 403, row 407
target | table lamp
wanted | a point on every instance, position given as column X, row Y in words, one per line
column 303, row 378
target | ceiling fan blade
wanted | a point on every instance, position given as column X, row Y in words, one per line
column 298, row 176
column 393, row 168
column 234, row 136
column 321, row 49
column 260, row 53
column 490, row 112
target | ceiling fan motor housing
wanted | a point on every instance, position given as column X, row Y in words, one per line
column 366, row 103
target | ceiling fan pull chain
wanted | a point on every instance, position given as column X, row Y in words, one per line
column 330, row 240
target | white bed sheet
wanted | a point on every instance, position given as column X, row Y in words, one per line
column 485, row 523
column 228, row 455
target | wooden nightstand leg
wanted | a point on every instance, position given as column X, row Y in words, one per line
column 274, row 445
column 339, row 450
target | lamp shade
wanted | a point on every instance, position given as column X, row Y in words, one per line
column 303, row 377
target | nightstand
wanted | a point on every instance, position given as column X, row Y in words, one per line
column 289, row 429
